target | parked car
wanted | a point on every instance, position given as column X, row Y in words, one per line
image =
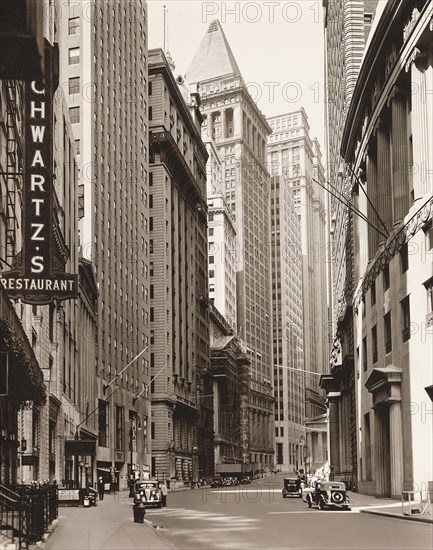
column 292, row 487
column 216, row 482
column 230, row 481
column 245, row 480
column 328, row 494
column 148, row 492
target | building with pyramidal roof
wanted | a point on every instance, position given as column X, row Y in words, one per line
column 239, row 131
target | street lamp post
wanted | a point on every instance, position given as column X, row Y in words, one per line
column 194, row 465
column 301, row 451
column 81, row 465
column 131, row 459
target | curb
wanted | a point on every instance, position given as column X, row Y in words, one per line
column 397, row 516
column 157, row 531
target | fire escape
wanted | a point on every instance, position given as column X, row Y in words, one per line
column 11, row 173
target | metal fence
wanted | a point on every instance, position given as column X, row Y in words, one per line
column 26, row 511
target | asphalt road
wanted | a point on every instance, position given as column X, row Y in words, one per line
column 257, row 517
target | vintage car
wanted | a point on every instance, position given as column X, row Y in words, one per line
column 292, row 487
column 328, row 494
column 230, row 481
column 216, row 482
column 148, row 492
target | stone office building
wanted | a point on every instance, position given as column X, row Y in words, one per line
column 239, row 130
column 386, row 140
column 182, row 421
column 347, row 26
column 103, row 72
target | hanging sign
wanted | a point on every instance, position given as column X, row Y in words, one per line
column 37, row 275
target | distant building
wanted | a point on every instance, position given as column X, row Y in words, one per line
column 239, row 130
column 230, row 370
column 287, row 324
column 222, row 240
column 182, row 421
column 386, row 138
column 296, row 158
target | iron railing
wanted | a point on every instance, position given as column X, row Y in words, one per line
column 26, row 511
column 12, row 516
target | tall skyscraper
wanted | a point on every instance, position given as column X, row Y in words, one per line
column 221, row 240
column 182, row 423
column 239, row 130
column 44, row 412
column 296, row 157
column 347, row 26
column 287, row 324
column 103, row 60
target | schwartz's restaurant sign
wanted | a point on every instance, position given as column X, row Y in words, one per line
column 38, row 271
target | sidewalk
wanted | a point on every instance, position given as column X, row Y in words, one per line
column 367, row 504
column 107, row 526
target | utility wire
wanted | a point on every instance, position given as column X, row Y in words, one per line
column 365, row 193
column 346, row 202
column 350, row 206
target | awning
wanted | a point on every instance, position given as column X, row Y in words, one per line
column 85, row 447
column 106, row 470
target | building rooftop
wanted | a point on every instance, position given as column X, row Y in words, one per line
column 214, row 57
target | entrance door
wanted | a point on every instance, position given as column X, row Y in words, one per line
column 383, row 458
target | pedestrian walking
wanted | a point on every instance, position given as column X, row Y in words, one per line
column 163, row 488
column 101, row 487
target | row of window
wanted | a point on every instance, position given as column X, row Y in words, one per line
column 387, row 327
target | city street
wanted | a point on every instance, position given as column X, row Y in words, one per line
column 243, row 518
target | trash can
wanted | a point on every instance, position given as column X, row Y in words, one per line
column 139, row 512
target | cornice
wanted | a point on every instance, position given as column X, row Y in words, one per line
column 401, row 235
column 377, row 76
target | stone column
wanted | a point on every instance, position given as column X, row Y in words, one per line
column 384, row 183
column 223, row 124
column 400, row 166
column 237, row 121
column 396, row 448
column 210, row 125
column 379, row 457
column 373, row 235
column 420, row 122
column 334, row 434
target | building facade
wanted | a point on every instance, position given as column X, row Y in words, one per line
column 347, row 26
column 182, row 423
column 106, row 90
column 50, row 335
column 222, row 257
column 288, row 329
column 239, row 130
column 230, row 370
column 295, row 156
column 386, row 140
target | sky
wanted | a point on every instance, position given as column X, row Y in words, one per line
column 278, row 46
